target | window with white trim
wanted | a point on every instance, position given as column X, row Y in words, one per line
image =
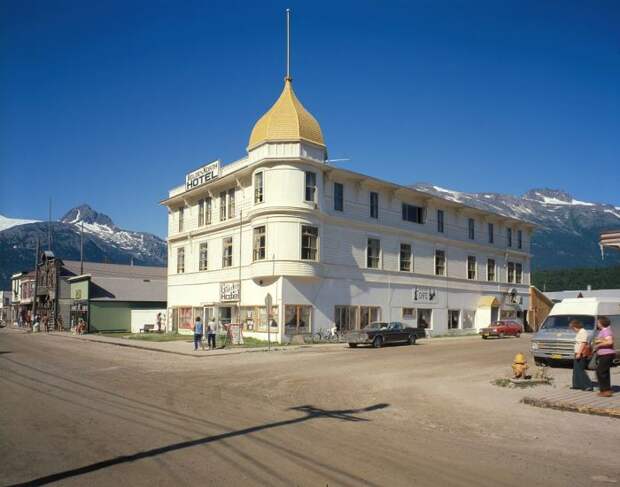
column 440, row 262
column 181, row 221
column 511, row 272
column 259, row 187
column 231, row 203
column 309, row 242
column 310, row 188
column 374, row 204
column 440, row 219
column 223, row 206
column 406, row 258
column 373, row 253
column 471, row 229
column 338, row 197
column 203, row 256
column 180, row 260
column 259, row 243
column 518, row 273
column 227, row 252
column 412, row 213
column 471, row 267
column 491, row 270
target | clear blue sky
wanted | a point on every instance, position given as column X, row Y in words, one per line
column 112, row 102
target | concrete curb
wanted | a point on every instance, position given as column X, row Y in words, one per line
column 568, row 406
column 240, row 351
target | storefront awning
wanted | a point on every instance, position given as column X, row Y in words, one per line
column 488, row 302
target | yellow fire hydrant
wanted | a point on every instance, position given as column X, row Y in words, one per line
column 519, row 366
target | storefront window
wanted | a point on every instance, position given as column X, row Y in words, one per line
column 345, row 317
column 368, row 314
column 297, row 318
column 469, row 318
column 254, row 318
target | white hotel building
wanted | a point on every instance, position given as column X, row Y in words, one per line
column 332, row 246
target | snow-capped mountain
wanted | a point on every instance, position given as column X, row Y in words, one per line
column 568, row 228
column 103, row 242
column 6, row 223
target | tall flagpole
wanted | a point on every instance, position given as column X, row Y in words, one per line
column 288, row 44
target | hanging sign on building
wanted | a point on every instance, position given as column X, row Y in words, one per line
column 202, row 175
column 229, row 291
column 422, row 294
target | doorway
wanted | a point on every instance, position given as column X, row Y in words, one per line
column 494, row 314
column 453, row 319
column 225, row 315
column 424, row 318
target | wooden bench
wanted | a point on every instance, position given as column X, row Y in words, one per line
column 147, row 328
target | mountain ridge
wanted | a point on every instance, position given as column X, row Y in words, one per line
column 567, row 230
column 104, row 241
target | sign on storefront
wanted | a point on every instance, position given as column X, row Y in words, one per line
column 422, row 294
column 202, row 175
column 229, row 291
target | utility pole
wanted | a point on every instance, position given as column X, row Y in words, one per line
column 36, row 280
column 49, row 226
column 82, row 249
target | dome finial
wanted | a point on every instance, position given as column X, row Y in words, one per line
column 288, row 45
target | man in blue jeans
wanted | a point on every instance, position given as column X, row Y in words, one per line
column 198, row 329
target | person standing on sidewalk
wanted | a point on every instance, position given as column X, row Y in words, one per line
column 580, row 376
column 198, row 329
column 211, row 334
column 604, row 346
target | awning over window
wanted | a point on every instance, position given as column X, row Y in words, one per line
column 488, row 302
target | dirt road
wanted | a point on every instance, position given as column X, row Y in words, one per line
column 83, row 413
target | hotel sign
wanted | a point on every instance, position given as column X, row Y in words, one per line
column 202, row 175
column 424, row 294
column 229, row 291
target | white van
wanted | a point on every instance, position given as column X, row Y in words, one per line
column 555, row 341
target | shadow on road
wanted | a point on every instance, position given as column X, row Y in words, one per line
column 311, row 412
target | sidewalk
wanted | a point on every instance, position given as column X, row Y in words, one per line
column 577, row 401
column 185, row 347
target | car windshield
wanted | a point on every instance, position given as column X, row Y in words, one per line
column 375, row 326
column 560, row 322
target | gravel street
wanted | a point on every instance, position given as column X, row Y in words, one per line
column 84, row 413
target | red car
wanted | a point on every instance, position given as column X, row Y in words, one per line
column 502, row 329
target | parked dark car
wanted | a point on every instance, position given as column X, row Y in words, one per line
column 381, row 333
column 501, row 329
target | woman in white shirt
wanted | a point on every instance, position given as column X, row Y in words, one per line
column 582, row 341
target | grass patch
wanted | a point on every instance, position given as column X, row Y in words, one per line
column 149, row 337
column 506, row 382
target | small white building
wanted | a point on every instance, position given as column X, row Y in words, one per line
column 332, row 247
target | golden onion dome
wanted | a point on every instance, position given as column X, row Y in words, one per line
column 286, row 121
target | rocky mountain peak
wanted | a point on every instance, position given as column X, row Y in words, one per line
column 546, row 194
column 84, row 213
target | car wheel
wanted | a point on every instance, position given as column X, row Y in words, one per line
column 352, row 345
column 377, row 342
column 484, row 338
column 501, row 335
column 411, row 340
column 518, row 335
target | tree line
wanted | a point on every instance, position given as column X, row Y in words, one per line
column 579, row 278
